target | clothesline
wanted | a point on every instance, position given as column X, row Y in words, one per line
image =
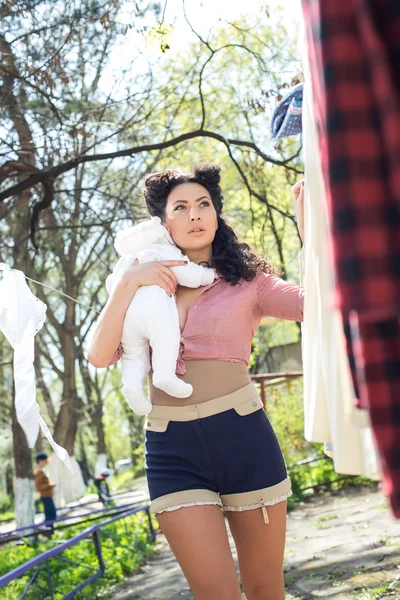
column 62, row 294
column 58, row 292
column 78, row 301
column 22, row 315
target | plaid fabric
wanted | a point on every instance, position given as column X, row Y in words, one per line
column 377, row 351
column 286, row 119
column 360, row 117
column 354, row 55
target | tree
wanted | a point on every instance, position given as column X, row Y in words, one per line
column 54, row 107
column 80, row 133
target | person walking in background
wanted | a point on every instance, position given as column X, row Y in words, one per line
column 45, row 488
column 100, row 481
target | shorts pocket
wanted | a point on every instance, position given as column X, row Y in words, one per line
column 158, row 425
column 249, row 406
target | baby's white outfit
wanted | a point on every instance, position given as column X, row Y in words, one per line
column 152, row 316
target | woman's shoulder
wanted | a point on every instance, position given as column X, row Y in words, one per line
column 254, row 282
column 263, row 278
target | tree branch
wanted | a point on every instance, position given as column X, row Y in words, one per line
column 53, row 172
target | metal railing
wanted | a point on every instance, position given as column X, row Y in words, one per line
column 72, row 505
column 65, row 521
column 43, row 560
column 273, row 379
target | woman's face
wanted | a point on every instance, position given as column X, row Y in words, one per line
column 190, row 217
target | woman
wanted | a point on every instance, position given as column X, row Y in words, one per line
column 216, row 446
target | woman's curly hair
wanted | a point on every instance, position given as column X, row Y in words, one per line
column 233, row 259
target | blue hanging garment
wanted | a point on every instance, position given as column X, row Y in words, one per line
column 286, row 119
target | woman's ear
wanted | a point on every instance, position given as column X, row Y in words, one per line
column 166, row 227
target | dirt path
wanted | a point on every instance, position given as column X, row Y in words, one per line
column 343, row 547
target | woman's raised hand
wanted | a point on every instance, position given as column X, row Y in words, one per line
column 298, row 200
column 152, row 273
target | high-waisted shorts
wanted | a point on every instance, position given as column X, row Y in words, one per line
column 223, row 451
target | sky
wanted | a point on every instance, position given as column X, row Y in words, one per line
column 205, row 13
column 202, row 13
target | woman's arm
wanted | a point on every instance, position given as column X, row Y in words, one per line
column 276, row 297
column 298, row 201
column 108, row 330
column 107, row 333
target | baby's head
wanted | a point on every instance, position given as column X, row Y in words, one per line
column 135, row 239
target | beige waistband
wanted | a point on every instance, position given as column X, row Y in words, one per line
column 208, row 408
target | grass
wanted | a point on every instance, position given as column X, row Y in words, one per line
column 125, row 545
column 385, row 590
column 323, row 522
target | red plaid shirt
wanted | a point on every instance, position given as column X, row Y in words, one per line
column 354, row 57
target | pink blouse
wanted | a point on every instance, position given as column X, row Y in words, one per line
column 223, row 319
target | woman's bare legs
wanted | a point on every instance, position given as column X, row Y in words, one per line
column 199, row 540
column 260, row 549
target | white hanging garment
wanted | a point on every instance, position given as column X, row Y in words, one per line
column 329, row 412
column 22, row 315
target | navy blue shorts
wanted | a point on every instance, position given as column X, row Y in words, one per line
column 223, row 451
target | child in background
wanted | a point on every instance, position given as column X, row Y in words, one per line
column 45, row 488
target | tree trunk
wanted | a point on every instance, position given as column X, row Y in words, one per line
column 39, row 447
column 69, row 486
column 97, row 420
column 83, row 462
column 71, row 404
column 95, row 403
column 24, row 502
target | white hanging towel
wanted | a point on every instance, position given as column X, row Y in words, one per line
column 22, row 315
column 329, row 412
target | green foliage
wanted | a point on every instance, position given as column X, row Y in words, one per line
column 284, row 406
column 115, row 422
column 8, row 514
column 123, row 480
column 125, row 544
column 123, row 429
column 6, row 506
column 285, row 411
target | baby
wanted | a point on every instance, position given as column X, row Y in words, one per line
column 152, row 317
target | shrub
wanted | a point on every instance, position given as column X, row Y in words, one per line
column 125, row 544
column 284, row 407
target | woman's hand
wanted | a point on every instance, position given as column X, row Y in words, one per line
column 152, row 273
column 298, row 201
column 107, row 333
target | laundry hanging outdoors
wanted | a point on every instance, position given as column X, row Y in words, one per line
column 22, row 316
column 287, row 117
column 330, row 415
column 354, row 68
column 256, row 450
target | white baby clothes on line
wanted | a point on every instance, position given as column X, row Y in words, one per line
column 152, row 316
column 22, row 315
column 329, row 411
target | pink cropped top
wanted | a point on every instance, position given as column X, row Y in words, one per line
column 223, row 319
